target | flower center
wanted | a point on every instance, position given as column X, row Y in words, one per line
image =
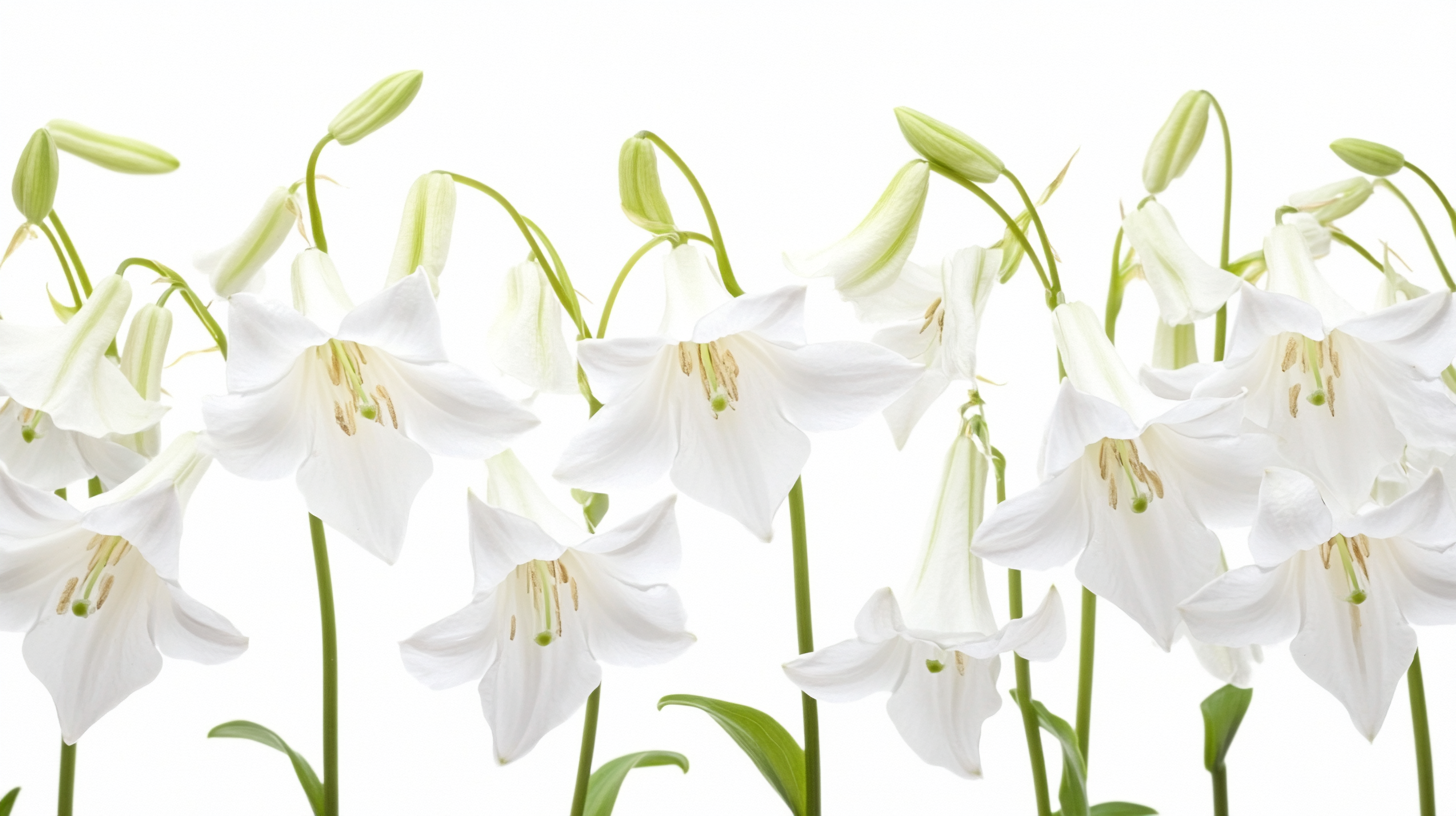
column 1319, row 366
column 1353, row 551
column 1117, row 460
column 29, row 420
column 935, row 665
column 345, row 362
column 543, row 582
column 934, row 313
column 717, row 369
column 106, row 553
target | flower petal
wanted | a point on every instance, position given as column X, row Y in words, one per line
column 1080, row 419
column 28, row 513
column 1186, row 287
column 947, row 590
column 1423, row 581
column 455, row 649
column 776, row 316
column 1040, row 529
column 447, row 409
column 904, row 413
column 1420, row 333
column 940, row 715
column 1291, row 517
column 33, row 577
column 644, row 549
column 618, row 367
column 1217, row 476
column 510, row 487
column 501, row 540
column 633, row 439
column 851, row 670
column 266, row 339
column 1264, row 314
column 828, row 386
column 1423, row 516
column 1292, row 272
column 967, row 278
column 186, row 630
column 1234, row 666
column 150, row 520
column 525, row 339
column 266, row 433
column 1039, row 636
column 1245, row 606
column 403, row 319
column 694, row 289
column 912, row 292
column 318, row 293
column 626, row 623
column 1094, row 366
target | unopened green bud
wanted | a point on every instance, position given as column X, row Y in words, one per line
column 237, row 266
column 142, row 360
column 946, row 146
column 36, row 176
column 1333, row 201
column 641, row 189
column 376, row 107
column 424, row 230
column 1177, row 141
column 1369, row 157
column 117, row 153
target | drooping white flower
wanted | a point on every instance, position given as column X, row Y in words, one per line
column 351, row 399
column 525, row 339
column 722, row 400
column 238, row 266
column 424, row 229
column 1345, row 586
column 545, row 611
column 55, row 458
column 1186, row 287
column 96, row 589
column 1130, row 481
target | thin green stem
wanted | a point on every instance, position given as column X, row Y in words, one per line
column 1220, row 324
column 724, row 267
column 199, row 309
column 622, row 278
column 1220, row 791
column 1342, row 238
column 1425, row 233
column 315, row 216
column 805, row 620
column 71, row 250
column 1422, row 728
column 1005, row 216
column 1084, row 673
column 566, row 284
column 331, row 666
column 1114, row 290
column 1046, row 243
column 1430, row 182
column 66, row 795
column 697, row 236
column 65, row 264
column 588, row 747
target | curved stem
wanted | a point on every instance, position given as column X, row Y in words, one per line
column 1114, row 290
column 1084, row 673
column 315, row 216
column 1425, row 233
column 1422, row 729
column 1430, row 182
column 1220, row 326
column 724, row 267
column 66, row 265
column 566, row 284
column 1006, row 217
column 622, row 278
column 1046, row 244
column 66, row 795
column 71, row 250
column 331, row 666
column 805, row 620
column 588, row 747
column 1342, row 238
column 697, row 236
column 178, row 283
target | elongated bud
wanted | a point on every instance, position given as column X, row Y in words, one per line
column 424, row 230
column 117, row 153
column 525, row 340
column 947, row 590
column 1369, row 157
column 1177, row 141
column 1187, row 287
column 318, row 294
column 944, row 145
column 142, row 360
column 376, row 107
column 641, row 188
column 237, row 267
column 1333, row 201
column 36, row 177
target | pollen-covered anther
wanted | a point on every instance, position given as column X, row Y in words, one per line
column 931, row 313
column 66, row 593
column 1294, row 400
column 344, row 419
column 575, row 603
column 513, row 627
column 105, row 590
column 960, row 660
column 1291, row 352
column 717, row 372
column 383, row 394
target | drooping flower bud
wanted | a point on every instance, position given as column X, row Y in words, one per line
column 1369, row 157
column 1177, row 141
column 116, row 153
column 1186, row 287
column 238, row 266
column 142, row 360
column 318, row 293
column 424, row 230
column 1292, row 272
column 36, row 177
column 946, row 146
column 376, row 107
column 525, row 339
column 1174, row 346
column 641, row 188
column 1333, row 201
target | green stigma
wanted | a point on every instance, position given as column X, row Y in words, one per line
column 1316, row 397
column 544, row 639
column 81, row 607
column 1139, row 503
column 935, row 666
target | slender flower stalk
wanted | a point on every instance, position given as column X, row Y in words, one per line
column 724, row 267
column 1220, row 329
column 330, row 643
column 1425, row 233
column 71, row 252
column 66, row 790
column 1425, row 776
column 1430, row 182
column 315, row 216
column 804, row 621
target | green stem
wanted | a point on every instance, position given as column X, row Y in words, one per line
column 805, row 620
column 1046, row 244
column 66, row 795
column 1430, row 182
column 560, row 267
column 622, row 278
column 1342, row 238
column 66, row 265
column 1114, row 290
column 331, row 666
column 1084, row 673
column 203, row 314
column 1422, row 728
column 1220, row 791
column 1425, row 233
column 588, row 747
column 724, row 267
column 315, row 216
column 1220, row 325
column 1005, row 216
column 71, row 250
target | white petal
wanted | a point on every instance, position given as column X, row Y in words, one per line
column 1038, row 636
column 28, row 513
column 1292, row 272
column 1186, row 287
column 32, row 577
column 618, row 367
column 627, row 623
column 318, row 294
column 1176, row 383
column 150, row 520
column 1420, row 333
column 1316, row 235
column 266, row 339
column 1234, row 666
column 1040, row 529
column 947, row 590
column 267, row 433
column 106, row 459
column 644, row 549
column 940, row 715
column 1246, row 606
column 1080, row 419
column 913, row 340
column 633, row 439
column 238, row 266
column 51, row 460
column 525, row 339
column 501, row 540
column 904, row 413
column 186, row 630
column 851, row 670
column 967, row 278
column 912, row 292
column 776, row 316
column 1423, row 581
column 1264, row 314
column 403, row 319
column 455, row 649
column 1423, row 516
column 694, row 289
column 1291, row 517
column 1217, row 476
column 510, row 487
column 447, row 409
column 1093, row 364
column 827, row 386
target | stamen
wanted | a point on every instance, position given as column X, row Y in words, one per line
column 561, row 572
column 1316, row 352
column 684, row 358
column 1330, row 395
column 66, row 595
column 336, row 372
column 1155, row 480
column 1358, row 594
column 960, row 664
column 1112, row 493
column 712, row 364
column 105, row 591
column 1294, row 400
column 1334, row 357
column 344, row 420
column 1102, row 459
column 363, row 403
column 513, row 627
column 383, row 394
column 1290, row 352
column 575, row 604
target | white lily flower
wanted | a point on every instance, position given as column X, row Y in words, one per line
column 1185, row 286
column 525, row 339
column 351, row 399
column 1345, row 587
column 96, row 590
column 63, row 371
column 238, row 266
column 869, row 258
column 722, row 400
column 55, row 458
column 545, row 612
column 1130, row 481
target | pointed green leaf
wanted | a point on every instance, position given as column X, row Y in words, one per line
column 64, row 312
column 1073, row 792
column 242, row 729
column 1223, row 710
column 606, row 781
column 778, row 757
column 1122, row 809
column 8, row 802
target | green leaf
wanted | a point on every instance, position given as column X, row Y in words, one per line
column 1122, row 809
column 242, row 729
column 8, row 802
column 1073, row 792
column 778, row 757
column 1223, row 710
column 606, row 781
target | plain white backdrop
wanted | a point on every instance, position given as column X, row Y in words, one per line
column 784, row 112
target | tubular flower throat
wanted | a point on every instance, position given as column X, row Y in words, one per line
column 1319, row 367
column 345, row 362
column 544, row 581
column 1118, row 459
column 1353, row 551
column 106, row 552
column 717, row 371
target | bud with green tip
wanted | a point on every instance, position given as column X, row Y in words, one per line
column 238, row 266
column 946, row 146
column 1369, row 157
column 641, row 188
column 142, row 360
column 36, row 177
column 376, row 107
column 424, row 230
column 1333, row 201
column 117, row 153
column 1177, row 141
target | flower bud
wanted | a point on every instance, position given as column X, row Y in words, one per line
column 1333, row 201
column 236, row 267
column 1187, row 288
column 641, row 189
column 318, row 294
column 116, row 153
column 142, row 360
column 525, row 339
column 36, row 176
column 1177, row 141
column 376, row 107
column 424, row 230
column 944, row 145
column 1368, row 157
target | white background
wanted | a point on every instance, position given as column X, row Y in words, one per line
column 784, row 112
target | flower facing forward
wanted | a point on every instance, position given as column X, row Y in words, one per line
column 1345, row 587
column 939, row 658
column 96, row 590
column 1131, row 481
column 352, row 399
column 544, row 612
column 722, row 395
